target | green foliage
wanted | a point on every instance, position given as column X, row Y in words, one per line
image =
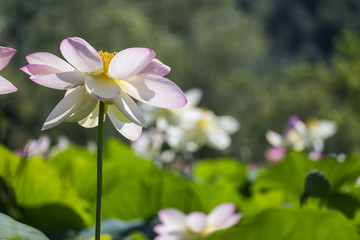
column 290, row 174
column 57, row 195
column 223, row 170
column 293, row 224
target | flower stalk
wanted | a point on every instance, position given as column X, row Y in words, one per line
column 99, row 171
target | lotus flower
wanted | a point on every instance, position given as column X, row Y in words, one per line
column 90, row 76
column 175, row 225
column 299, row 136
column 191, row 127
column 42, row 147
column 200, row 127
column 5, row 56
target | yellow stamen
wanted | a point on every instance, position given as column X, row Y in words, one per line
column 204, row 121
column 106, row 59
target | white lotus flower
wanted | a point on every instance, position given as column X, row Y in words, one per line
column 92, row 76
column 5, row 56
column 200, row 126
column 175, row 225
column 318, row 131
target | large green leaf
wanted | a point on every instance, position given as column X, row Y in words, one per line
column 222, row 170
column 78, row 166
column 13, row 230
column 127, row 200
column 293, row 224
column 8, row 163
column 127, row 163
column 39, row 184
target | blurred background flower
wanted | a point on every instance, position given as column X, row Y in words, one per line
column 180, row 132
column 42, row 147
column 176, row 225
column 298, row 136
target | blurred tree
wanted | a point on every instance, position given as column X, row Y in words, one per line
column 229, row 48
column 304, row 28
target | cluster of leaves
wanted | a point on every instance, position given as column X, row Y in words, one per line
column 57, row 196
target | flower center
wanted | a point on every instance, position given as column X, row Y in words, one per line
column 106, row 59
column 203, row 123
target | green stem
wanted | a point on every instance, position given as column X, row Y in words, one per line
column 99, row 171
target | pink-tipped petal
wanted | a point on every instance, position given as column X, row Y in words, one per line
column 168, row 237
column 160, row 229
column 48, row 59
column 155, row 90
column 193, row 96
column 156, row 68
column 81, row 55
column 196, row 222
column 171, row 216
column 5, row 56
column 35, row 69
column 129, row 62
column 130, row 109
column 64, row 108
column 129, row 130
column 231, row 221
column 6, row 86
column 61, row 81
column 220, row 214
column 164, row 229
column 87, row 106
column 102, row 87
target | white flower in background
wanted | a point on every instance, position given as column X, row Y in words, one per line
column 5, row 56
column 318, row 131
column 184, row 130
column 175, row 225
column 200, row 127
column 299, row 136
column 357, row 183
column 163, row 118
column 92, row 76
column 149, row 144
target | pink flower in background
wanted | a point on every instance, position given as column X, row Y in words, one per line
column 5, row 56
column 37, row 146
column 275, row 154
column 175, row 225
column 42, row 147
column 113, row 78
